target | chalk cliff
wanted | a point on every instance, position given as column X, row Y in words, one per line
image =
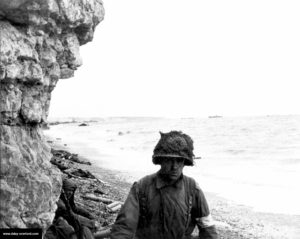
column 39, row 44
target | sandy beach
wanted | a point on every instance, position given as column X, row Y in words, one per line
column 232, row 220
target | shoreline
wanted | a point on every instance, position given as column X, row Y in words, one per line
column 232, row 220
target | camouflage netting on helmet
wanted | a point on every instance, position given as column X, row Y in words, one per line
column 174, row 144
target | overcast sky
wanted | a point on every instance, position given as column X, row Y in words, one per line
column 190, row 58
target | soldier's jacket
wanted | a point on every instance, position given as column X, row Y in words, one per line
column 154, row 209
column 64, row 224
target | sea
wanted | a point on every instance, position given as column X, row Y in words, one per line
column 252, row 161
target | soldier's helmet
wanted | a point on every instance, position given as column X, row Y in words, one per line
column 69, row 185
column 174, row 144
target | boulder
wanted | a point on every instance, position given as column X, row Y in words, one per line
column 83, row 124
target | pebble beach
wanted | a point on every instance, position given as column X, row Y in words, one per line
column 232, row 220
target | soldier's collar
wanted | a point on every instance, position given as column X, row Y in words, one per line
column 161, row 183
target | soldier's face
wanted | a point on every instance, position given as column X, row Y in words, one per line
column 69, row 193
column 172, row 168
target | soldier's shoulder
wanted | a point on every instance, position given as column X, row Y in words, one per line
column 192, row 182
column 147, row 179
column 189, row 179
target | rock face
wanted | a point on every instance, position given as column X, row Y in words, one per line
column 39, row 44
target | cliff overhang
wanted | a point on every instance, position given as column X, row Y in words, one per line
column 39, row 44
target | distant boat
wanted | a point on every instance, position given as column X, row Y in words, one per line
column 215, row 116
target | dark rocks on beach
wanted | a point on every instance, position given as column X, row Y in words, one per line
column 71, row 157
column 61, row 164
column 88, row 191
column 78, row 172
column 122, row 133
column 83, row 124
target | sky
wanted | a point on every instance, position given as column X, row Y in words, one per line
column 190, row 58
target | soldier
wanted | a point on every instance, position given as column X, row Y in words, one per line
column 166, row 204
column 71, row 221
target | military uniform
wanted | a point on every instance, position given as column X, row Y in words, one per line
column 167, row 204
column 73, row 222
column 157, row 210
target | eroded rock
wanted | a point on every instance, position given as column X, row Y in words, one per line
column 39, row 44
column 29, row 184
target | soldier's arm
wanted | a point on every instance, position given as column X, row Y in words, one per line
column 202, row 217
column 127, row 219
column 83, row 212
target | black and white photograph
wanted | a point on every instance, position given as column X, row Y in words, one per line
column 149, row 119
